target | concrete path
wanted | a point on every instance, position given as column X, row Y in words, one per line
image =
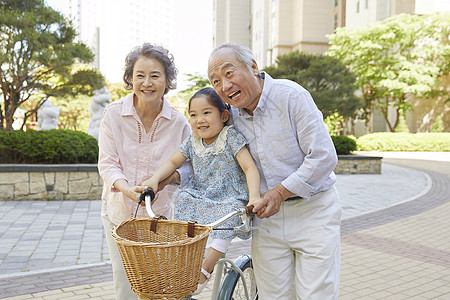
column 395, row 238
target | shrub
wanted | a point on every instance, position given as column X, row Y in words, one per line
column 388, row 141
column 344, row 145
column 438, row 125
column 401, row 126
column 56, row 146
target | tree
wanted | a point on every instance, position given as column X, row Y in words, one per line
column 197, row 82
column 117, row 90
column 38, row 55
column 438, row 125
column 181, row 100
column 401, row 124
column 74, row 112
column 395, row 58
column 330, row 83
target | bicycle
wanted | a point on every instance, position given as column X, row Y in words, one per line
column 239, row 278
column 233, row 279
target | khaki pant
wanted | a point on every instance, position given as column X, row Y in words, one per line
column 122, row 287
column 296, row 252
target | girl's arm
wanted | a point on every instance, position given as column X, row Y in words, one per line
column 251, row 173
column 165, row 170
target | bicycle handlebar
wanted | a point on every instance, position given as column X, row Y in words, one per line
column 245, row 213
column 148, row 195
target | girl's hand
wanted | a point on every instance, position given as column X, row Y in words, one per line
column 151, row 183
column 253, row 201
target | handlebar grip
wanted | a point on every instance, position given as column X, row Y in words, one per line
column 147, row 192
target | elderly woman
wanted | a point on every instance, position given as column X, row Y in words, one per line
column 137, row 134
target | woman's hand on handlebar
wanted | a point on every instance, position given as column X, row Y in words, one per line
column 132, row 192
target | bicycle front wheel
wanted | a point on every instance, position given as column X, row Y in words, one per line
column 237, row 287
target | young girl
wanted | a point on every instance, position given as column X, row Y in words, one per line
column 221, row 164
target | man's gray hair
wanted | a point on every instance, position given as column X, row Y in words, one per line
column 243, row 54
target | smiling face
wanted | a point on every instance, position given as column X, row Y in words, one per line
column 233, row 81
column 149, row 80
column 206, row 120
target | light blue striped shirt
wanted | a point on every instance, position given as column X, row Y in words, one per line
column 287, row 139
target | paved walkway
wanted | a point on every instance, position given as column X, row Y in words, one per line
column 395, row 238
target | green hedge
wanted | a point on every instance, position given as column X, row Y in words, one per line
column 60, row 146
column 386, row 141
column 343, row 144
column 56, row 146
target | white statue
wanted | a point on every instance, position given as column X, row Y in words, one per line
column 48, row 116
column 99, row 101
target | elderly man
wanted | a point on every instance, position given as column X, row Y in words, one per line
column 297, row 247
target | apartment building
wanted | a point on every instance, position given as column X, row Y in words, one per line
column 231, row 22
column 111, row 28
column 276, row 27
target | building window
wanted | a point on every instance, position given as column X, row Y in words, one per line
column 357, row 7
column 335, row 21
column 336, row 3
column 367, row 4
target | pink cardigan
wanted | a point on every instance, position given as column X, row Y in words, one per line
column 127, row 151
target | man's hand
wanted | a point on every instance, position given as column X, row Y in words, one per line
column 271, row 202
column 269, row 205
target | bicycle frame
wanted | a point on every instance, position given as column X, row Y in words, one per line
column 219, row 291
column 223, row 264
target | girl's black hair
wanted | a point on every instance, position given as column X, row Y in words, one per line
column 212, row 97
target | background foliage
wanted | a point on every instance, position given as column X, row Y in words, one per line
column 394, row 59
column 181, row 100
column 388, row 141
column 343, row 144
column 330, row 83
column 74, row 113
column 40, row 58
column 56, row 146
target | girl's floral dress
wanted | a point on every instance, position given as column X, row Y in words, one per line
column 218, row 185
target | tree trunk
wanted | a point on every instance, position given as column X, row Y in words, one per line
column 397, row 117
column 9, row 117
column 385, row 112
column 2, row 118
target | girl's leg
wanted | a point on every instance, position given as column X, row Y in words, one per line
column 217, row 249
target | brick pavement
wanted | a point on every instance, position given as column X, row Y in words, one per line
column 396, row 253
column 41, row 235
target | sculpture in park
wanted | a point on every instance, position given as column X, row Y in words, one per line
column 48, row 116
column 99, row 101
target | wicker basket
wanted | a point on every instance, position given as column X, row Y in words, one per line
column 164, row 263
